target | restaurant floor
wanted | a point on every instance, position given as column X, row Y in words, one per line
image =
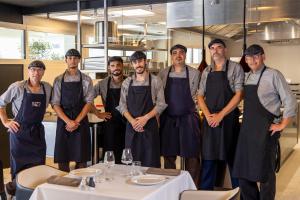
column 288, row 179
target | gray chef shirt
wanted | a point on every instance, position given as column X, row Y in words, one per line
column 15, row 92
column 101, row 88
column 88, row 91
column 194, row 78
column 235, row 75
column 157, row 93
column 273, row 91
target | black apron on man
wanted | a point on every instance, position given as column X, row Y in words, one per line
column 144, row 145
column 28, row 145
column 218, row 143
column 114, row 128
column 76, row 145
column 255, row 159
column 180, row 123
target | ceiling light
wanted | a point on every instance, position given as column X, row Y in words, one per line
column 133, row 12
column 128, row 26
column 70, row 17
column 263, row 8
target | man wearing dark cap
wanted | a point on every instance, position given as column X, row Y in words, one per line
column 142, row 100
column 220, row 91
column 180, row 122
column 72, row 99
column 29, row 99
column 256, row 160
column 110, row 89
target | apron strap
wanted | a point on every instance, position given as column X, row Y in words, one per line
column 108, row 87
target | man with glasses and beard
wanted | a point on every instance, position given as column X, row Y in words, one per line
column 72, row 98
column 29, row 99
column 110, row 89
column 142, row 100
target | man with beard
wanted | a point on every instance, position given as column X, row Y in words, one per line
column 72, row 99
column 220, row 91
column 29, row 99
column 142, row 99
column 266, row 92
column 180, row 122
column 110, row 89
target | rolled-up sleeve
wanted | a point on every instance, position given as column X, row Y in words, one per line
column 56, row 92
column 195, row 86
column 8, row 96
column 202, row 84
column 239, row 77
column 287, row 98
column 122, row 108
column 89, row 93
column 160, row 103
column 97, row 90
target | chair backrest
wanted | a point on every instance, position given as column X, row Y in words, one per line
column 210, row 195
column 32, row 177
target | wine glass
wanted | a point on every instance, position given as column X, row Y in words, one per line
column 109, row 161
column 127, row 157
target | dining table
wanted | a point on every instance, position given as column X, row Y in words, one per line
column 119, row 187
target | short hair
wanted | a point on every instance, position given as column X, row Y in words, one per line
column 254, row 49
column 37, row 63
column 115, row 58
column 178, row 46
column 73, row 52
column 217, row 41
column 137, row 55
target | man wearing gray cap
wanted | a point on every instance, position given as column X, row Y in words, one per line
column 72, row 98
column 142, row 100
column 29, row 100
column 220, row 91
column 256, row 160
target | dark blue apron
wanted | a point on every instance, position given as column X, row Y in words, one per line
column 114, row 129
column 179, row 123
column 219, row 143
column 75, row 146
column 28, row 145
column 256, row 149
column 145, row 145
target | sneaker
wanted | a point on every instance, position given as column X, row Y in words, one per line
column 11, row 188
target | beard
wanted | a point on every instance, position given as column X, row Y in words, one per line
column 140, row 72
column 116, row 73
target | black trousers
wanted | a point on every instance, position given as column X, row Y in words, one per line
column 66, row 166
column 265, row 191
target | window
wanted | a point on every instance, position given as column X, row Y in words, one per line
column 197, row 55
column 189, row 55
column 49, row 46
column 12, row 43
column 100, row 52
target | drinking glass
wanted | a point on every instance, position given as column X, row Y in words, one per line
column 127, row 157
column 109, row 162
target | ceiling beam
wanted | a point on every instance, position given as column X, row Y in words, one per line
column 10, row 13
column 91, row 4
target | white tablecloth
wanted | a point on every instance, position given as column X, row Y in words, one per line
column 118, row 189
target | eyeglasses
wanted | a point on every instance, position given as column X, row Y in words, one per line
column 254, row 57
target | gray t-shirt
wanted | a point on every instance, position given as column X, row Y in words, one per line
column 88, row 91
column 273, row 91
column 101, row 88
column 15, row 92
column 157, row 91
column 235, row 76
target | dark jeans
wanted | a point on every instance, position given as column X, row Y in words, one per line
column 209, row 174
column 192, row 165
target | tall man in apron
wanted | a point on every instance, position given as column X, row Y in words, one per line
column 110, row 89
column 220, row 91
column 266, row 90
column 180, row 122
column 29, row 100
column 142, row 100
column 72, row 99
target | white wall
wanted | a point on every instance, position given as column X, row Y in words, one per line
column 285, row 58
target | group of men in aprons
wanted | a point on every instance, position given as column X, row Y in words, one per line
column 159, row 116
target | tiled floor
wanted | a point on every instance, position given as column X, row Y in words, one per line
column 288, row 179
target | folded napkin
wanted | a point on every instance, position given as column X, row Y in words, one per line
column 59, row 180
column 159, row 171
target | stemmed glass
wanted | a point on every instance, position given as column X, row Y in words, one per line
column 109, row 161
column 127, row 157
